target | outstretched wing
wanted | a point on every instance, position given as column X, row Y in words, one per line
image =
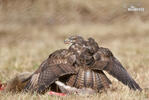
column 110, row 64
column 58, row 64
column 40, row 82
column 116, row 69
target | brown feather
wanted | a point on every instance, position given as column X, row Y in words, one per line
column 110, row 64
column 54, row 67
column 87, row 78
column 51, row 74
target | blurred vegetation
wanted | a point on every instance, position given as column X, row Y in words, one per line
column 70, row 11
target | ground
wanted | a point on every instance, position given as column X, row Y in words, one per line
column 27, row 41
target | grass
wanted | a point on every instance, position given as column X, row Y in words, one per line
column 27, row 37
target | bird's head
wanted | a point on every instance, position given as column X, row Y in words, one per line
column 77, row 43
column 74, row 40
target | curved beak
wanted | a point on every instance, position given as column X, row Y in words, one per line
column 67, row 41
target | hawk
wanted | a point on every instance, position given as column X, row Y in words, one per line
column 80, row 66
column 65, row 65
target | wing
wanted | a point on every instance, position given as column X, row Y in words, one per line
column 40, row 82
column 110, row 64
column 116, row 69
column 58, row 64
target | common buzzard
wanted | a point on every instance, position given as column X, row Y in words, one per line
column 80, row 66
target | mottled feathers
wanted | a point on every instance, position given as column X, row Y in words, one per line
column 57, row 65
column 80, row 66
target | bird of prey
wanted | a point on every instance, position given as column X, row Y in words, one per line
column 85, row 77
column 80, row 66
column 104, row 59
column 66, row 65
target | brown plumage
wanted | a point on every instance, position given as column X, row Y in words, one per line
column 100, row 58
column 105, row 60
column 86, row 78
column 58, row 64
column 80, row 66
column 65, row 63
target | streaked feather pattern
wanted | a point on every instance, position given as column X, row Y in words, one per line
column 86, row 78
column 57, row 65
column 84, row 63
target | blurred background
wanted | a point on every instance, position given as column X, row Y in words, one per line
column 28, row 19
column 31, row 29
